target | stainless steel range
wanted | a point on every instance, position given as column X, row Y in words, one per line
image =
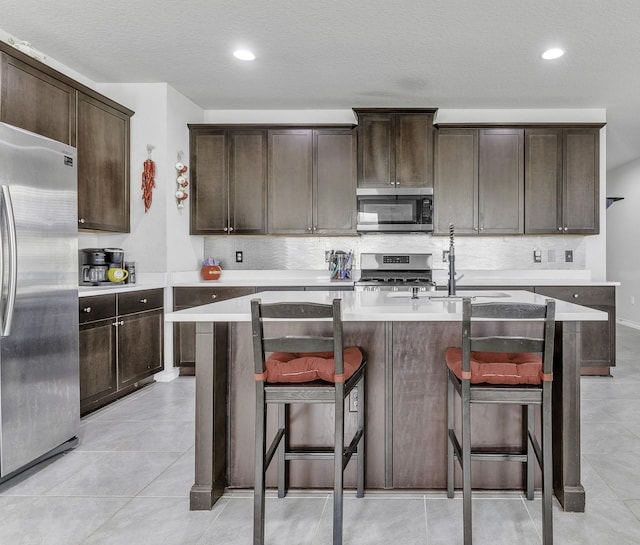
column 395, row 272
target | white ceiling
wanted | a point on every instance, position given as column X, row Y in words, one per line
column 336, row 54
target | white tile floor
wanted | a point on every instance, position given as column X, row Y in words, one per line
column 128, row 483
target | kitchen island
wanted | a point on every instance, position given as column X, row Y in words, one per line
column 404, row 339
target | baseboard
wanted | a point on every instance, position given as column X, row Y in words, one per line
column 628, row 323
column 167, row 375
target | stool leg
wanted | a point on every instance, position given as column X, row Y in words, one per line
column 283, row 466
column 259, row 480
column 450, row 458
column 466, row 463
column 338, row 456
column 547, row 466
column 361, row 445
column 530, row 430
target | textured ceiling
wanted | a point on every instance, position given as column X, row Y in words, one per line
column 334, row 54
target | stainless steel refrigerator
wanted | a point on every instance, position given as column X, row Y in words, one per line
column 39, row 375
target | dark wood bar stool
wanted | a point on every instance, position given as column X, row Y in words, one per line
column 503, row 370
column 304, row 369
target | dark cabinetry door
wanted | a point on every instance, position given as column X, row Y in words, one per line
column 98, row 374
column 543, row 180
column 395, row 149
column 209, row 174
column 184, row 334
column 598, row 339
column 334, row 181
column 479, row 181
column 228, row 181
column 456, row 181
column 501, row 181
column 290, row 177
column 37, row 102
column 562, row 181
column 140, row 346
column 247, row 181
column 581, row 181
column 103, row 166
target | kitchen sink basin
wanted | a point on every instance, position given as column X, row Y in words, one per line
column 438, row 296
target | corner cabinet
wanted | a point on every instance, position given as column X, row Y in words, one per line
column 228, row 180
column 312, row 181
column 395, row 147
column 598, row 339
column 479, row 181
column 35, row 101
column 121, row 344
column 103, row 166
column 184, row 334
column 562, row 180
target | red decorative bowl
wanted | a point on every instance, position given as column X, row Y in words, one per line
column 210, row 272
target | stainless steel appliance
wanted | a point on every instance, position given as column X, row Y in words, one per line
column 395, row 210
column 39, row 377
column 395, row 272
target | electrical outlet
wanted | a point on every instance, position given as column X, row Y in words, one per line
column 353, row 400
column 568, row 256
column 239, row 256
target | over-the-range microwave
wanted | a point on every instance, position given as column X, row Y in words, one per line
column 395, row 210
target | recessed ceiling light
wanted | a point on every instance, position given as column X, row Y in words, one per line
column 551, row 54
column 244, row 55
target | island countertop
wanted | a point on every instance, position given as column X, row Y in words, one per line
column 381, row 306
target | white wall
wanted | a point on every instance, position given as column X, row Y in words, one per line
column 623, row 248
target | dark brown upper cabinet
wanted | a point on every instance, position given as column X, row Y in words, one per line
column 228, row 180
column 103, row 166
column 562, row 182
column 395, row 147
column 479, row 181
column 312, row 181
column 35, row 101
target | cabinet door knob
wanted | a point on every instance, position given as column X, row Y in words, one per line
column 143, row 301
column 86, row 309
column 559, row 228
column 81, row 220
column 481, row 228
column 225, row 229
column 308, row 228
column 475, row 228
column 230, row 229
column 576, row 295
column 566, row 228
column 214, row 296
column 116, row 324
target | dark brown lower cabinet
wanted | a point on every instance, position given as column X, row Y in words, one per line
column 121, row 344
column 184, row 334
column 598, row 339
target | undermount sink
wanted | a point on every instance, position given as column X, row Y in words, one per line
column 436, row 296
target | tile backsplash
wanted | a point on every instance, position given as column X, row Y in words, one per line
column 478, row 253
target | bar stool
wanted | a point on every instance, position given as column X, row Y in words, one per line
column 304, row 369
column 503, row 370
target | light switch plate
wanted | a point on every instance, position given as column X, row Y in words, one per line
column 537, row 256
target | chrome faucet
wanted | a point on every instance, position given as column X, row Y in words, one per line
column 452, row 261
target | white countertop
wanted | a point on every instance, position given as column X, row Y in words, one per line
column 378, row 306
column 314, row 278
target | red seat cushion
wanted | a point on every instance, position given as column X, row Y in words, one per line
column 306, row 367
column 498, row 368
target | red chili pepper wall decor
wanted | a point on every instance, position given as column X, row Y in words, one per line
column 148, row 180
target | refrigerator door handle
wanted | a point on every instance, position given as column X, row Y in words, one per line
column 12, row 284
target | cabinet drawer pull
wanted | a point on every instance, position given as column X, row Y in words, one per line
column 81, row 220
column 86, row 309
column 144, row 301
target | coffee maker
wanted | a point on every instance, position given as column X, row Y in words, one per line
column 95, row 262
